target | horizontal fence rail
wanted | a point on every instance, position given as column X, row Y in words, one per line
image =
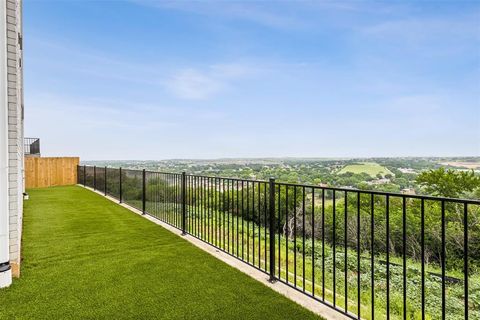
column 367, row 254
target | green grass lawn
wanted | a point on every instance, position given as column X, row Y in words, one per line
column 369, row 168
column 86, row 257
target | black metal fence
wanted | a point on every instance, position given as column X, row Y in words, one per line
column 31, row 145
column 367, row 254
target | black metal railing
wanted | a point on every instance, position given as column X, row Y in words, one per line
column 31, row 146
column 367, row 254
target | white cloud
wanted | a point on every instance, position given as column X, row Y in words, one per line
column 256, row 12
column 196, row 84
column 193, row 84
column 63, row 55
column 421, row 103
column 421, row 29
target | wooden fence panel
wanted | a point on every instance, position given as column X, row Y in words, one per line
column 41, row 172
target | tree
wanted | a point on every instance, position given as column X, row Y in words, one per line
column 448, row 182
column 363, row 185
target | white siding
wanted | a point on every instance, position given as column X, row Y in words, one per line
column 15, row 128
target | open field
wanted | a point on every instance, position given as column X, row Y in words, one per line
column 462, row 164
column 369, row 168
column 88, row 258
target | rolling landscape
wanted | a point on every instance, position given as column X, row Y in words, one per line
column 382, row 174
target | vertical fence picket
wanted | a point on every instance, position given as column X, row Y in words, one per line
column 387, row 228
column 345, row 251
column 422, row 228
column 359, row 270
column 184, row 204
column 465, row 259
column 271, row 208
column 443, row 263
column 372, row 254
column 105, row 182
column 143, row 191
column 120, row 185
column 404, row 244
column 323, row 245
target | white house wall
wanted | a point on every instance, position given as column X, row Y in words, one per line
column 15, row 128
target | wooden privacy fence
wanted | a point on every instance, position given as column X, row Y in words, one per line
column 41, row 172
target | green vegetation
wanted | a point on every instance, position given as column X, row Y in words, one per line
column 370, row 168
column 218, row 216
column 450, row 183
column 401, row 173
column 85, row 257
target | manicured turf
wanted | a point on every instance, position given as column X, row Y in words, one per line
column 86, row 257
column 369, row 168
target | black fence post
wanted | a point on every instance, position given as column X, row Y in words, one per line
column 120, row 186
column 105, row 180
column 94, row 177
column 143, row 191
column 184, row 205
column 272, row 228
column 84, row 175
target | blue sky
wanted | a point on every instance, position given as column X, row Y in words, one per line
column 160, row 80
